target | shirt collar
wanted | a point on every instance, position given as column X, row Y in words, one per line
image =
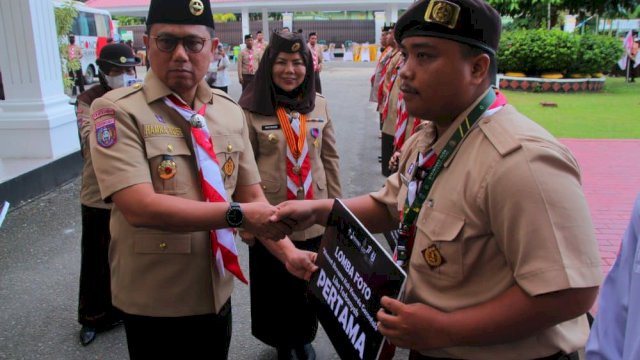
column 443, row 138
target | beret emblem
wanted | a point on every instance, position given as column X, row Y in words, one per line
column 442, row 12
column 295, row 47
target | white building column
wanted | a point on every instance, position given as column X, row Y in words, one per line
column 36, row 120
column 245, row 22
column 265, row 24
column 379, row 19
column 391, row 13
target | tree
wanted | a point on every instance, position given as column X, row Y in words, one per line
column 129, row 20
column 65, row 15
column 535, row 13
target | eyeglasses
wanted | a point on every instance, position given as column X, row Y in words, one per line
column 192, row 44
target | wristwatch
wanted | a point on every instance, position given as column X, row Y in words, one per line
column 234, row 215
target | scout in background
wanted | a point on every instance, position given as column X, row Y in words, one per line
column 174, row 157
column 495, row 232
column 116, row 65
column 295, row 147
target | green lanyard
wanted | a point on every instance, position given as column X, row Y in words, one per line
column 411, row 211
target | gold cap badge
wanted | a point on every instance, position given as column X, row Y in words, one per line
column 433, row 257
column 196, row 7
column 123, row 59
column 442, row 12
column 295, row 47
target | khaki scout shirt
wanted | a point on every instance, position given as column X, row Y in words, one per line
column 507, row 209
column 270, row 149
column 154, row 272
column 89, row 191
column 243, row 61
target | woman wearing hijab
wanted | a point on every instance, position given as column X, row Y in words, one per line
column 294, row 144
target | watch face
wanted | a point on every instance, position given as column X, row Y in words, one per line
column 234, row 216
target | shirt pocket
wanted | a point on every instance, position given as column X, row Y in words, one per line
column 162, row 243
column 160, row 152
column 438, row 246
column 228, row 150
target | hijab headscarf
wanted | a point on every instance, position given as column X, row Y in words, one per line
column 262, row 96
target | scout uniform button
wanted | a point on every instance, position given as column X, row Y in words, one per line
column 170, row 148
column 163, row 245
column 273, row 138
column 229, row 148
column 137, row 85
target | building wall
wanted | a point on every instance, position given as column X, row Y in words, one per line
column 329, row 31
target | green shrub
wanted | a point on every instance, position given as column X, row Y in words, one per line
column 597, row 53
column 543, row 51
column 513, row 51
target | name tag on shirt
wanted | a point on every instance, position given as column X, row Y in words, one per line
column 271, row 127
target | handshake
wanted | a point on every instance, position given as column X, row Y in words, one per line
column 270, row 222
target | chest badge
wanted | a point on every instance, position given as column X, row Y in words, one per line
column 228, row 167
column 273, row 138
column 167, row 168
column 433, row 257
column 315, row 133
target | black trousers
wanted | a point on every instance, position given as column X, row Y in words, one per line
column 94, row 300
column 558, row 356
column 281, row 314
column 246, row 80
column 386, row 151
column 316, row 76
column 78, row 80
column 190, row 337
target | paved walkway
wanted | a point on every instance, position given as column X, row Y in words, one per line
column 611, row 181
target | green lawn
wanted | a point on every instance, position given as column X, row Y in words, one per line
column 613, row 113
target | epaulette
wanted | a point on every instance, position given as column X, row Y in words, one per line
column 223, row 94
column 502, row 139
column 123, row 92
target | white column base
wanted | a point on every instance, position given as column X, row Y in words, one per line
column 43, row 128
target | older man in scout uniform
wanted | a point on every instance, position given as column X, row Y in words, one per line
column 496, row 235
column 248, row 62
column 172, row 154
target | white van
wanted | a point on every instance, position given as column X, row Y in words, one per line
column 91, row 26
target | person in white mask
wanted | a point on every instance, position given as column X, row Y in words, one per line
column 95, row 311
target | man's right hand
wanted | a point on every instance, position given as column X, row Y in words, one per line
column 257, row 220
column 302, row 214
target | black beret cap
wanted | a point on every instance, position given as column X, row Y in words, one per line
column 248, row 36
column 119, row 55
column 288, row 42
column 471, row 22
column 183, row 12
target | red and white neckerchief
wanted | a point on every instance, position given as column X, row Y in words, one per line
column 394, row 76
column 72, row 51
column 223, row 244
column 250, row 65
column 383, row 73
column 402, row 123
column 299, row 181
column 314, row 56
